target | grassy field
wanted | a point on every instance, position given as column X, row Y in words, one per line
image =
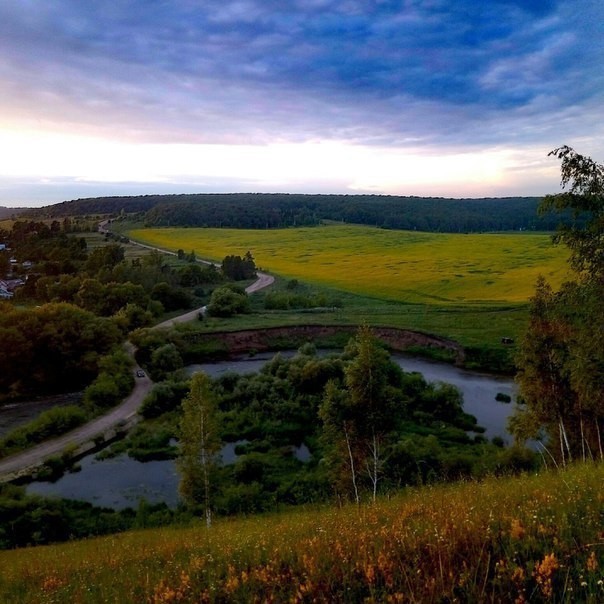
column 469, row 325
column 532, row 538
column 471, row 288
column 416, row 268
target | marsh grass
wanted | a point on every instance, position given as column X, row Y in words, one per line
column 530, row 538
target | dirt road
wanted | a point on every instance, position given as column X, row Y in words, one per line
column 264, row 280
column 124, row 414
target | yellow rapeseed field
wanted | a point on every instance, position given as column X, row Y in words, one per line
column 391, row 265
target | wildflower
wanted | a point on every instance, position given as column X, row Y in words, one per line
column 52, row 583
column 544, row 572
column 592, row 562
column 517, row 531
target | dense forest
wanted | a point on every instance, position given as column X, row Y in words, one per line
column 259, row 211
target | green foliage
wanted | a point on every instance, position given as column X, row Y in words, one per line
column 193, row 275
column 32, row 520
column 199, row 444
column 55, row 347
column 561, row 358
column 48, row 424
column 276, row 410
column 170, row 297
column 585, row 200
column 225, row 302
column 113, row 383
column 165, row 397
column 264, row 211
column 105, row 257
column 164, row 360
column 132, row 316
column 148, row 441
column 238, row 268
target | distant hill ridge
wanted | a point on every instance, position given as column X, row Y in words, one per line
column 278, row 210
column 6, row 213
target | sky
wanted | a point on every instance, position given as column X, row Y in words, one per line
column 454, row 98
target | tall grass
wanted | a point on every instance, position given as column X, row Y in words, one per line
column 532, row 538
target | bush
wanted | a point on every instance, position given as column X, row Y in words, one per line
column 225, row 302
column 164, row 397
column 164, row 360
column 114, row 382
column 53, row 422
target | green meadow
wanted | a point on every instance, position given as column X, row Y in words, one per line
column 471, row 288
column 402, row 266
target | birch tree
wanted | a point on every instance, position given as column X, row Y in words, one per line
column 358, row 415
column 199, row 444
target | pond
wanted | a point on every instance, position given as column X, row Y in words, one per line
column 122, row 482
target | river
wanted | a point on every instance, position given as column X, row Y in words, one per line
column 121, row 482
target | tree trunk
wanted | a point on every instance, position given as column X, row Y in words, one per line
column 352, row 470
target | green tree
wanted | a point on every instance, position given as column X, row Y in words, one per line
column 359, row 415
column 164, row 360
column 107, row 256
column 225, row 302
column 561, row 358
column 542, row 377
column 238, row 268
column 584, row 199
column 199, row 444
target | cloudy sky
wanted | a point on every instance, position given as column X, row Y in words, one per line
column 459, row 98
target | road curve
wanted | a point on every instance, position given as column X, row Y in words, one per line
column 263, row 280
column 24, row 462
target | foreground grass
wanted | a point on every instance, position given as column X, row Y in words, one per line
column 532, row 538
column 404, row 266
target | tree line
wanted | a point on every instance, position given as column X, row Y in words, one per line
column 262, row 211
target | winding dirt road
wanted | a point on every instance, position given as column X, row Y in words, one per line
column 123, row 415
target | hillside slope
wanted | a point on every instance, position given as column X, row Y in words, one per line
column 278, row 210
column 530, row 538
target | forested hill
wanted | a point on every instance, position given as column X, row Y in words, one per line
column 260, row 210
